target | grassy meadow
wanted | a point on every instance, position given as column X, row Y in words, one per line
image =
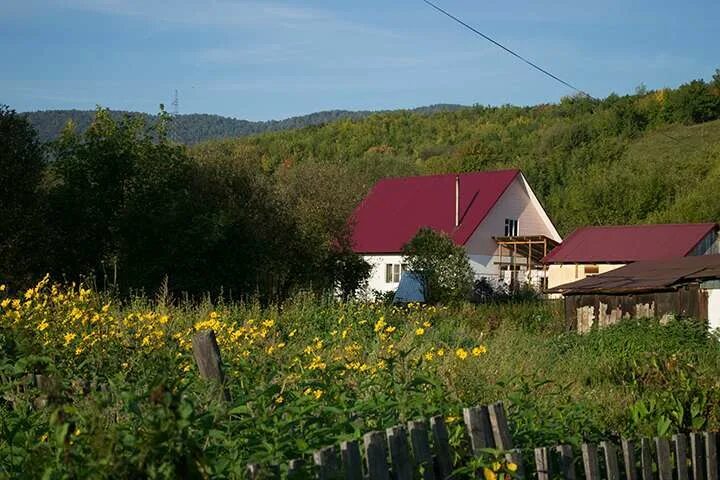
column 95, row 388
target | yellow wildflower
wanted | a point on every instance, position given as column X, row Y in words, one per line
column 426, row 324
column 5, row 303
column 496, row 466
column 317, row 394
column 429, row 356
column 419, row 331
column 380, row 324
column 489, row 474
column 461, row 353
column 42, row 326
column 512, row 467
column 279, row 399
column 2, row 288
column 69, row 337
column 477, row 351
column 440, row 352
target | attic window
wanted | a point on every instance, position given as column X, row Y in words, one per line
column 511, row 227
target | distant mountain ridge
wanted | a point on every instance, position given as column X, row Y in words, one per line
column 197, row 127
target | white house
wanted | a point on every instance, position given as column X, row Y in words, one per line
column 495, row 215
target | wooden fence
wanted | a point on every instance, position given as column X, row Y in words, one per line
column 421, row 450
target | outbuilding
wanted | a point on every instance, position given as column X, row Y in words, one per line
column 688, row 287
column 599, row 249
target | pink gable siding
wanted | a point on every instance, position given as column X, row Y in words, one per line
column 515, row 203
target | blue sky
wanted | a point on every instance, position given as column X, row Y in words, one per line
column 271, row 59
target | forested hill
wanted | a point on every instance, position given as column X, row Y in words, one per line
column 193, row 128
column 649, row 157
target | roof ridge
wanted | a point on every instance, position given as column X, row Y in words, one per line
column 646, row 225
column 451, row 174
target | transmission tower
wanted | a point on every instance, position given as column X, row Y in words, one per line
column 175, row 104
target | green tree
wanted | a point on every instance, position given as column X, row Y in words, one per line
column 21, row 169
column 442, row 266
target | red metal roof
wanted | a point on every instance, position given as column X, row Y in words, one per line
column 396, row 208
column 629, row 243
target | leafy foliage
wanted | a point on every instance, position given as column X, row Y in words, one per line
column 442, row 266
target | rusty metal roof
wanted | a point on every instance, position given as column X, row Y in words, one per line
column 647, row 276
column 629, row 243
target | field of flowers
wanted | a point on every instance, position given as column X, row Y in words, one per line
column 92, row 387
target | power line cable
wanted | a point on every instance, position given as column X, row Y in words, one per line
column 517, row 55
column 511, row 52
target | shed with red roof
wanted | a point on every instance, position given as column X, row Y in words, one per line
column 477, row 210
column 593, row 250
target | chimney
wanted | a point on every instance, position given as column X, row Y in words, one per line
column 457, row 200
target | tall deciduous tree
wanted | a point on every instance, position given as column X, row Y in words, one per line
column 21, row 169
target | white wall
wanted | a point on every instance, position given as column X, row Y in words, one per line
column 376, row 281
column 713, row 308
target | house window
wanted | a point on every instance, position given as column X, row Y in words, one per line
column 393, row 272
column 591, row 270
column 511, row 227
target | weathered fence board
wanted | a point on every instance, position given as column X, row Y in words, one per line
column 421, row 448
column 376, row 456
column 351, row 460
column 590, row 461
column 664, row 462
column 402, row 464
column 566, row 461
column 499, row 425
column 612, row 471
column 680, row 442
column 711, row 460
column 628, row 448
column 327, row 463
column 646, row 462
column 542, row 463
column 441, row 444
column 477, row 421
column 697, row 454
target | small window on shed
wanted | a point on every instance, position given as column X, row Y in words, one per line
column 591, row 270
column 511, row 227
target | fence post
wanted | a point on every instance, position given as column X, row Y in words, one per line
column 628, row 448
column 441, row 446
column 208, row 359
column 351, row 459
column 421, row 448
column 680, row 442
column 590, row 461
column 477, row 422
column 326, row 461
column 376, row 456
